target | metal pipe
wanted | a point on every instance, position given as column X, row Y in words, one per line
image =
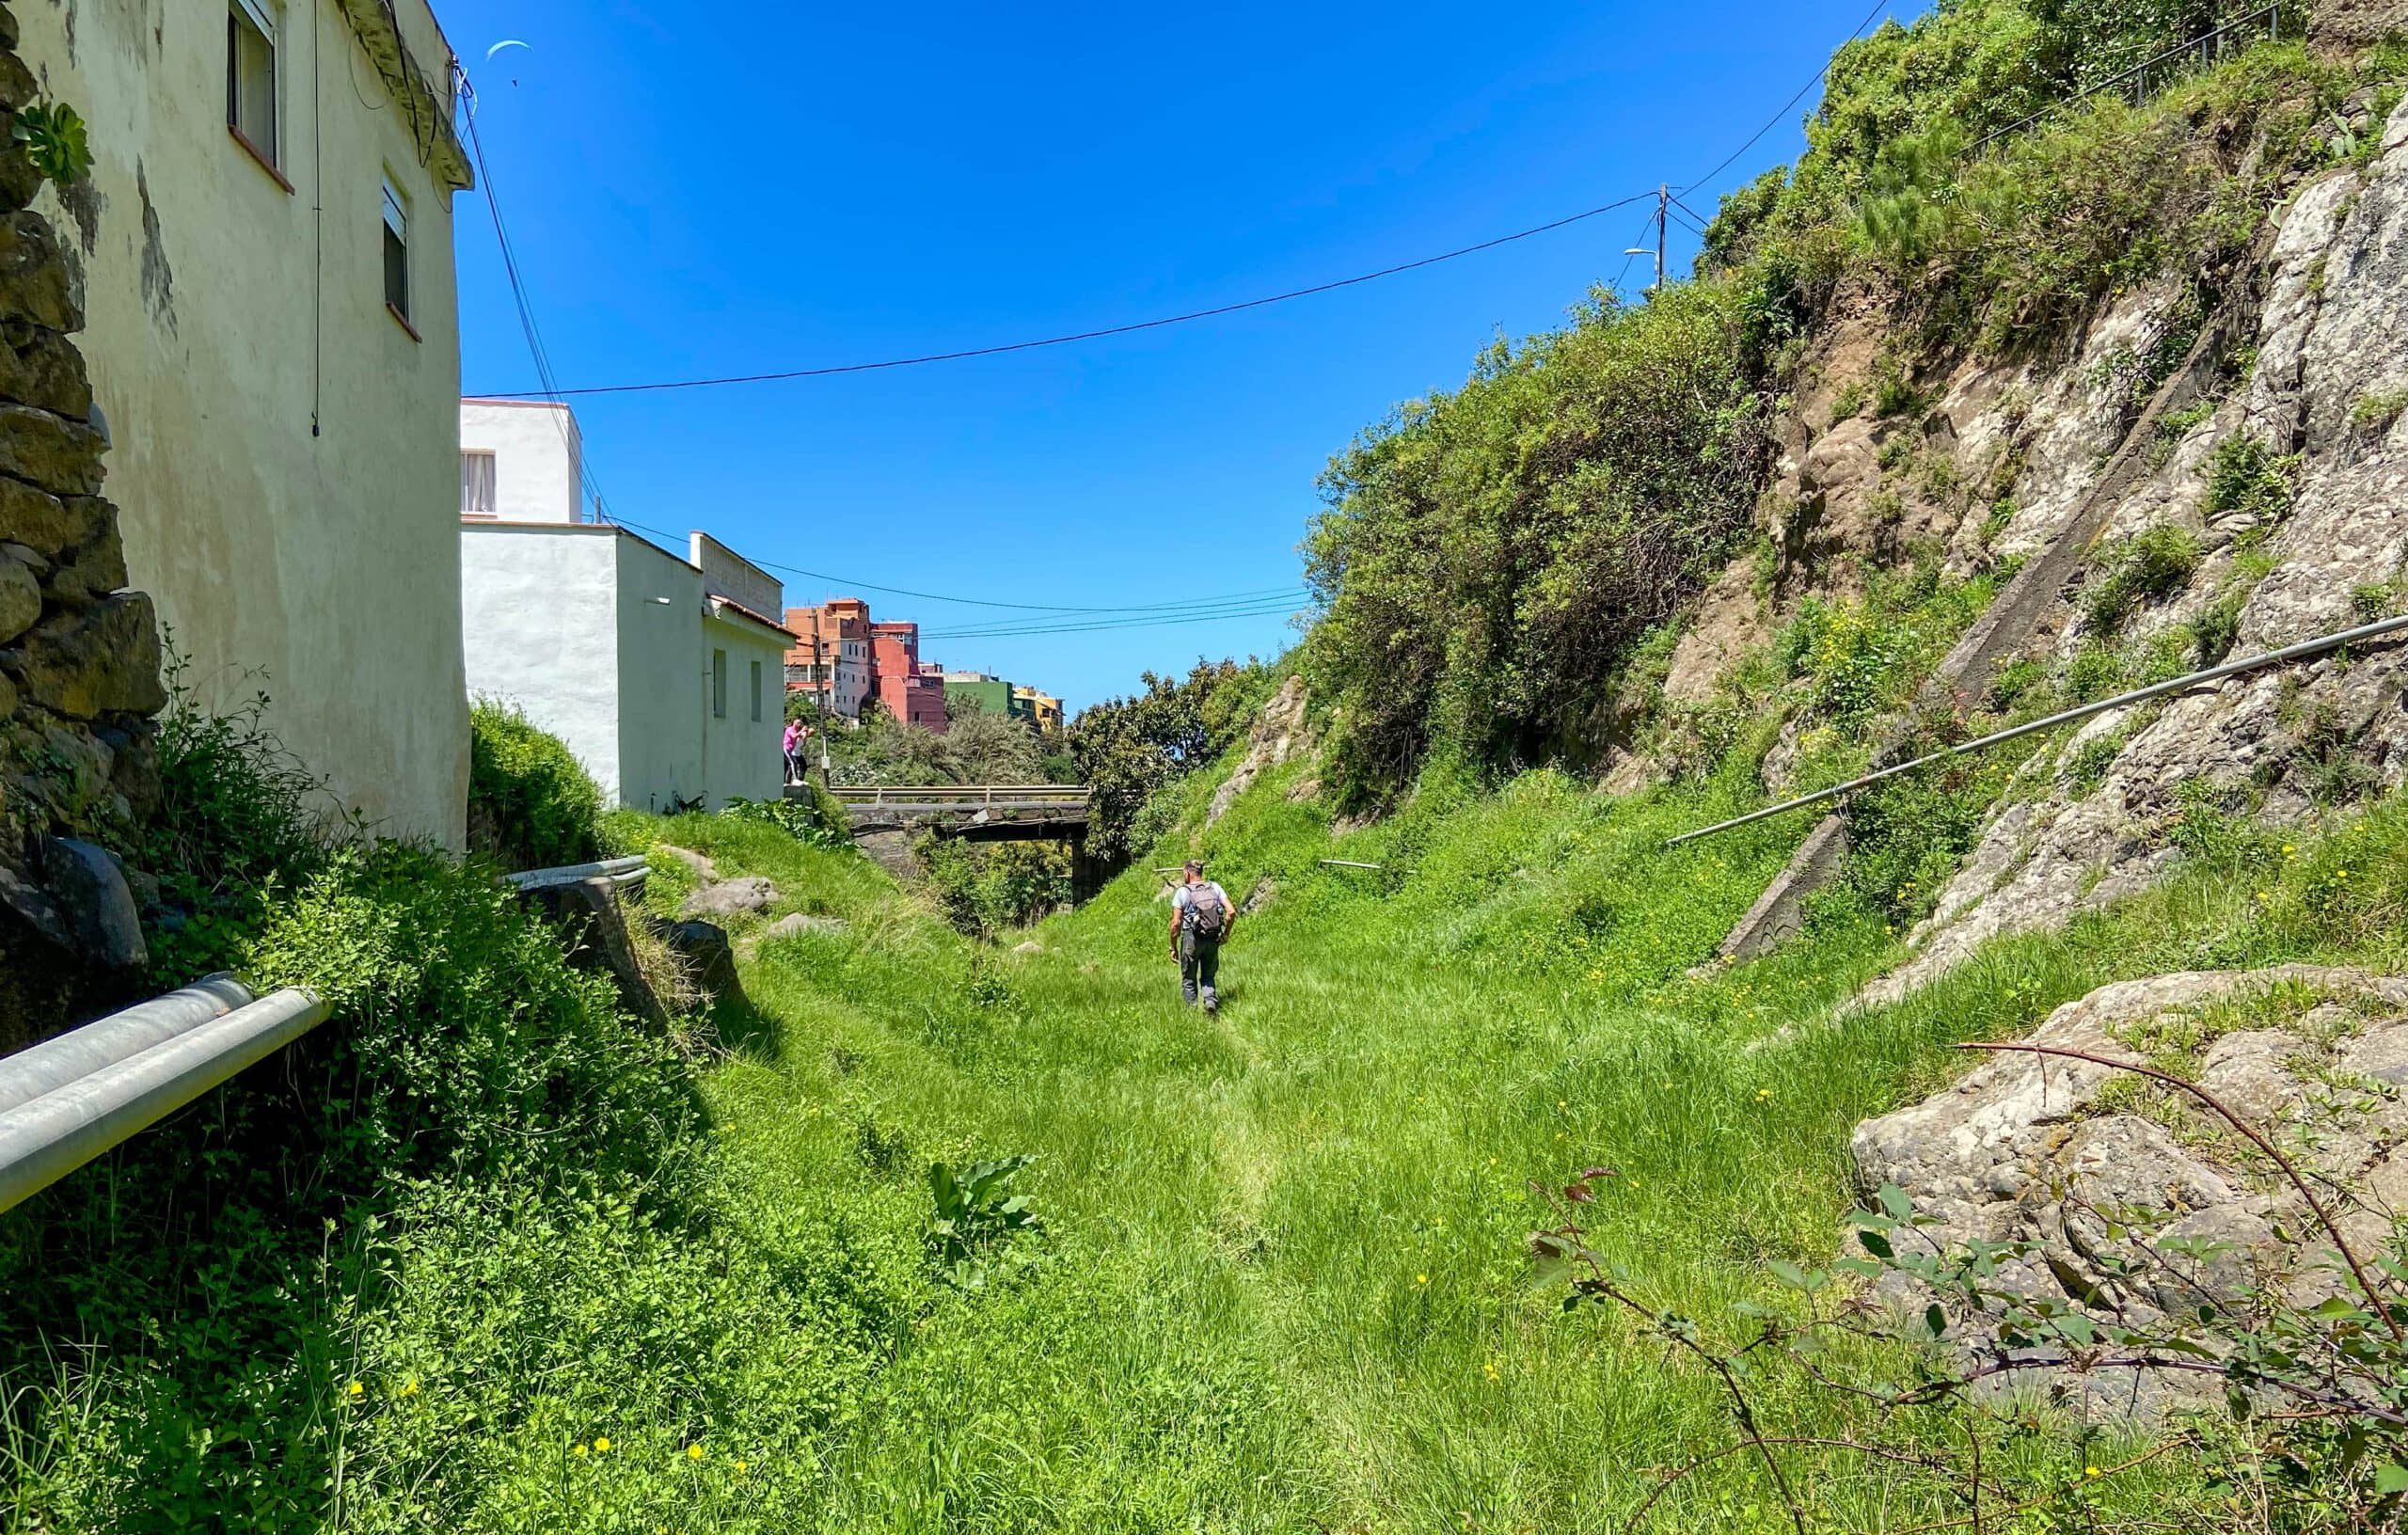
column 2214, row 674
column 104, row 1042
column 569, row 874
column 44, row 1140
column 1348, row 863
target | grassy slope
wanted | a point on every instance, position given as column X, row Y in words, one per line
column 1286, row 1290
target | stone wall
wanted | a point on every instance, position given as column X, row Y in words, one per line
column 79, row 655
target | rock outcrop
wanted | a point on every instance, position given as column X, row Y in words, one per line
column 2062, row 1157
column 2320, row 406
column 1280, row 734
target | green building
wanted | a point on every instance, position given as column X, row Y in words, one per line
column 989, row 695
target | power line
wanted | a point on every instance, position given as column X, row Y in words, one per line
column 1775, row 119
column 1056, row 608
column 586, row 478
column 1082, row 335
column 1279, row 610
column 1283, row 601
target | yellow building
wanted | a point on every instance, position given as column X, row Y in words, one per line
column 265, row 244
column 1042, row 709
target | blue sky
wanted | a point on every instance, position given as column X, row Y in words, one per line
column 792, row 185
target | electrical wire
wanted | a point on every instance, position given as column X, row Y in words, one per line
column 1283, row 601
column 1791, row 105
column 588, row 481
column 1076, row 336
column 1042, row 608
column 1282, row 610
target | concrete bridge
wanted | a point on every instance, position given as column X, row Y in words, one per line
column 885, row 817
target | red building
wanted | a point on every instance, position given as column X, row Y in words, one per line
column 900, row 682
column 830, row 660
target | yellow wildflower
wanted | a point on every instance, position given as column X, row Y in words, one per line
column 1762, row 1093
column 1420, row 1278
column 2092, row 1471
column 578, row 1449
column 693, row 1452
column 355, row 1388
column 409, row 1388
column 602, row 1445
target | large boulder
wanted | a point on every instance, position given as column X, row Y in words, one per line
column 730, row 897
column 2031, row 1151
column 588, row 913
column 90, row 661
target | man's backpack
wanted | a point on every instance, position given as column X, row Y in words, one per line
column 1207, row 916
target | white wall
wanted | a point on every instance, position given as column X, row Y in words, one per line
column 539, row 621
column 662, row 676
column 728, row 573
column 285, row 458
column 741, row 754
column 537, row 451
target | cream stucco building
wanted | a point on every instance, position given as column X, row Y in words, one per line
column 265, row 246
column 664, row 675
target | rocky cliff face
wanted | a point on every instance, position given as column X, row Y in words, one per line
column 79, row 656
column 2264, row 443
column 2324, row 403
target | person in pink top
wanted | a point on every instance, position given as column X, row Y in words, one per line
column 795, row 733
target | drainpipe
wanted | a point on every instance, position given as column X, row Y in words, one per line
column 45, row 1138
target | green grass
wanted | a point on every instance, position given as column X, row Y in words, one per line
column 1281, row 1287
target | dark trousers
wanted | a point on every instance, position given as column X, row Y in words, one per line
column 1200, row 969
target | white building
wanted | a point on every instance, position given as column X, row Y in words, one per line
column 266, row 242
column 663, row 675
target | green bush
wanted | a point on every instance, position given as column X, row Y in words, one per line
column 1489, row 558
column 817, row 821
column 531, row 805
column 987, row 888
column 2153, row 563
column 2247, row 477
column 1130, row 751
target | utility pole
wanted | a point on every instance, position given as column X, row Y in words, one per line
column 1663, row 214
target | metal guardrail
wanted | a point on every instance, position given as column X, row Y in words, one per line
column 965, row 795
column 622, row 871
column 2250, row 663
column 66, row 1100
column 2135, row 80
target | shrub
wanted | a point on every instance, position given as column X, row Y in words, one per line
column 986, row 888
column 2153, row 563
column 2247, row 477
column 531, row 805
column 2379, row 408
column 817, row 821
column 1489, row 558
column 238, row 820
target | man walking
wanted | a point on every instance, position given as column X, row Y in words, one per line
column 1201, row 919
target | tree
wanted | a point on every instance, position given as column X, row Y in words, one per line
column 1128, row 750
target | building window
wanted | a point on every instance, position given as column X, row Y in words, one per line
column 397, row 249
column 756, row 692
column 251, row 75
column 719, row 685
column 476, row 484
